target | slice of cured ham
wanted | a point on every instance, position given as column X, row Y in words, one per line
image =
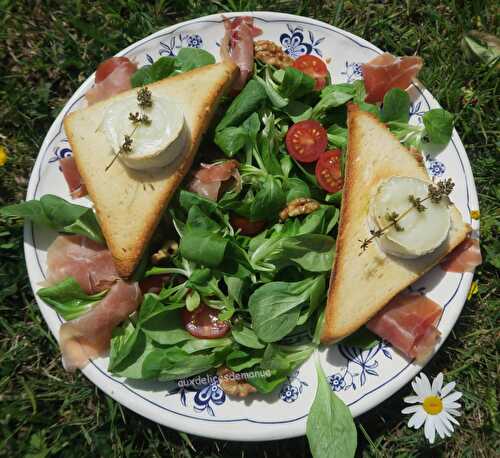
column 208, row 179
column 237, row 45
column 73, row 178
column 117, row 81
column 90, row 335
column 386, row 72
column 88, row 262
column 464, row 258
column 408, row 322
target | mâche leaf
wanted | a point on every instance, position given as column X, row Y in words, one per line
column 68, row 299
column 438, row 125
column 396, row 106
column 330, row 427
column 56, row 213
column 247, row 102
column 160, row 69
column 203, row 247
column 295, row 83
column 189, row 58
column 274, row 307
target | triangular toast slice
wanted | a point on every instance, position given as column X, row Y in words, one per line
column 129, row 203
column 361, row 285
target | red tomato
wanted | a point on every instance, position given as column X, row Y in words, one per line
column 204, row 323
column 246, row 226
column 306, row 140
column 328, row 171
column 109, row 65
column 313, row 66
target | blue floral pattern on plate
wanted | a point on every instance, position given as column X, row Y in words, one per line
column 61, row 151
column 292, row 388
column 171, row 46
column 295, row 44
column 353, row 71
column 360, row 365
column 206, row 396
column 436, row 168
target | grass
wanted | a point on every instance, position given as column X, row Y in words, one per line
column 48, row 48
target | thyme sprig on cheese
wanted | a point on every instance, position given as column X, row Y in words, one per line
column 144, row 100
column 435, row 193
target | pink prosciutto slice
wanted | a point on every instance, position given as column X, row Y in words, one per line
column 73, row 178
column 408, row 322
column 88, row 262
column 115, row 82
column 208, row 179
column 237, row 45
column 464, row 258
column 89, row 336
column 386, row 72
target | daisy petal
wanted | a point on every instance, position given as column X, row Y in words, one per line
column 411, row 409
column 447, row 423
column 424, row 383
column 440, row 428
column 437, row 383
column 455, row 412
column 451, row 405
column 417, row 387
column 412, row 399
column 447, row 389
column 451, row 419
column 452, row 397
column 430, row 429
column 417, row 420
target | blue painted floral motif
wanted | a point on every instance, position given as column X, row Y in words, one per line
column 416, row 111
column 60, row 152
column 206, row 395
column 360, row 364
column 295, row 44
column 176, row 42
column 436, row 168
column 292, row 388
column 353, row 71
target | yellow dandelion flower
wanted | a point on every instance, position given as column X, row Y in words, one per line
column 475, row 214
column 3, row 155
column 473, row 290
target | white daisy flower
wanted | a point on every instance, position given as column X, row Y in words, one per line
column 436, row 406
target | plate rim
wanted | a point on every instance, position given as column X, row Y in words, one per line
column 294, row 427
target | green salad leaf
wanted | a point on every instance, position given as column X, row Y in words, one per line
column 248, row 101
column 56, row 213
column 330, row 427
column 396, row 106
column 68, row 298
column 438, row 125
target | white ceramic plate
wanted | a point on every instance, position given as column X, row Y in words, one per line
column 362, row 379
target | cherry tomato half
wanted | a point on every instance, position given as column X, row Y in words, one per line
column 108, row 66
column 246, row 226
column 204, row 323
column 313, row 66
column 328, row 171
column 306, row 140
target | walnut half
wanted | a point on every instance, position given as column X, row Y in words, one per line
column 269, row 52
column 232, row 385
column 299, row 206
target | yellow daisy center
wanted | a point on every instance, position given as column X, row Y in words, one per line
column 3, row 155
column 433, row 405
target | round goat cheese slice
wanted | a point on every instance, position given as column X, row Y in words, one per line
column 418, row 232
column 155, row 144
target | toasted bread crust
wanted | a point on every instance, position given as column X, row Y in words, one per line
column 165, row 180
column 342, row 318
